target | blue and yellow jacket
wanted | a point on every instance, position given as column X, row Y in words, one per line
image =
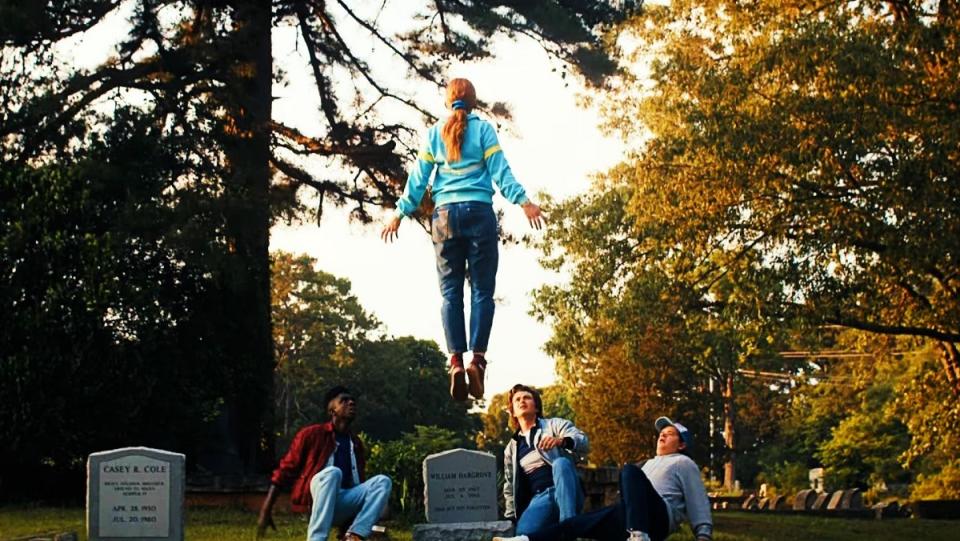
column 482, row 164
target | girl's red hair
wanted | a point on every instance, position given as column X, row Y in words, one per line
column 456, row 125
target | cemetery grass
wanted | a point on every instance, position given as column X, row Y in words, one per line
column 219, row 524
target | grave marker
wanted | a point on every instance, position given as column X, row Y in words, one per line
column 135, row 492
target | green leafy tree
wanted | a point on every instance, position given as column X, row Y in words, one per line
column 204, row 73
column 634, row 341
column 402, row 460
column 102, row 326
column 324, row 337
column 814, row 145
column 315, row 320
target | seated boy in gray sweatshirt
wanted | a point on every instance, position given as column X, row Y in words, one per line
column 654, row 499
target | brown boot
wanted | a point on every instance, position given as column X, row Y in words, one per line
column 477, row 370
column 458, row 379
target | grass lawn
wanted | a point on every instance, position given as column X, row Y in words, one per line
column 232, row 524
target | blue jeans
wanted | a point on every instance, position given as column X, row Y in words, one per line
column 640, row 508
column 561, row 501
column 465, row 241
column 333, row 505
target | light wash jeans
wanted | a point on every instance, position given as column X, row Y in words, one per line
column 561, row 501
column 333, row 505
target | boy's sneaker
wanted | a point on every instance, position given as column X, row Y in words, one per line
column 476, row 371
column 637, row 536
column 458, row 378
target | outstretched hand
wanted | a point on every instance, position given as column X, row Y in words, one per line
column 390, row 230
column 534, row 215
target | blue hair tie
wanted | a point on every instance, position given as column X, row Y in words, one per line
column 458, row 104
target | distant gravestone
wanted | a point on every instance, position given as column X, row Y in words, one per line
column 886, row 510
column 750, row 503
column 804, row 500
column 835, row 500
column 460, row 497
column 764, row 504
column 777, row 503
column 852, row 499
column 816, row 479
column 821, row 502
column 135, row 492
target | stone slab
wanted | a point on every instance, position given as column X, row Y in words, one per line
column 135, row 493
column 852, row 499
column 835, row 499
column 820, row 503
column 804, row 500
column 460, row 486
column 463, row 531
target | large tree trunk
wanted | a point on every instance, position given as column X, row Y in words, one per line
column 950, row 359
column 246, row 279
column 729, row 422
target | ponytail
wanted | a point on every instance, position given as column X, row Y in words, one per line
column 461, row 97
column 452, row 133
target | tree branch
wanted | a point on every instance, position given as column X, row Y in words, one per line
column 896, row 330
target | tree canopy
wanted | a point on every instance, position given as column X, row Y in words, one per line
column 201, row 76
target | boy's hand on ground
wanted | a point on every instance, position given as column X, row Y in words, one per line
column 390, row 230
column 263, row 523
column 534, row 215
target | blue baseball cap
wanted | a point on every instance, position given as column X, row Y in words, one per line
column 685, row 436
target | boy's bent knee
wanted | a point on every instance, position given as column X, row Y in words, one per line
column 331, row 473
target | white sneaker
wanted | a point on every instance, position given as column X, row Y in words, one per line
column 637, row 536
column 517, row 538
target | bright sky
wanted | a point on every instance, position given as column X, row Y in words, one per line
column 552, row 145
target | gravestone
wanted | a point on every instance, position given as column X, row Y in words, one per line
column 460, row 497
column 777, row 503
column 764, row 504
column 852, row 499
column 835, row 500
column 135, row 492
column 816, row 479
column 750, row 503
column 804, row 500
column 886, row 510
column 821, row 502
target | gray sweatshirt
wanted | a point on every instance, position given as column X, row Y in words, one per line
column 676, row 479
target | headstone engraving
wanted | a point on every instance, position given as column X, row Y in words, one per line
column 135, row 492
column 461, row 486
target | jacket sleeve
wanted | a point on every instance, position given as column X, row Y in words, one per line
column 695, row 496
column 417, row 180
column 509, row 507
column 292, row 463
column 498, row 167
column 563, row 428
